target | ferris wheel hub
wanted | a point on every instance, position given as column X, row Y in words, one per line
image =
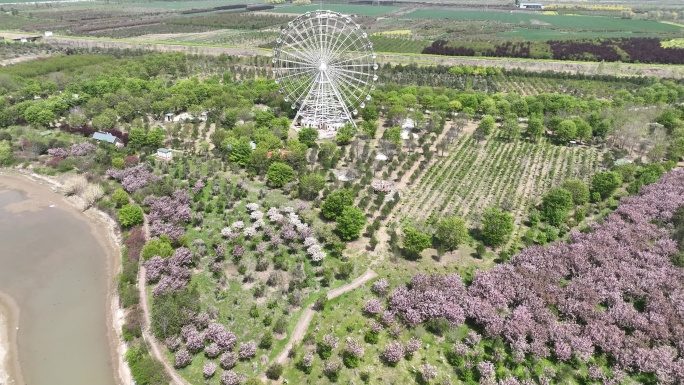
column 323, row 67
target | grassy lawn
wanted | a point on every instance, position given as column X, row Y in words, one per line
column 589, row 23
column 346, row 9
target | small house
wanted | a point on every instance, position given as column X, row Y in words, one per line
column 164, row 154
column 168, row 117
column 48, row 33
column 107, row 137
column 204, row 116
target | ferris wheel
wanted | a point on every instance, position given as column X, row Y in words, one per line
column 325, row 66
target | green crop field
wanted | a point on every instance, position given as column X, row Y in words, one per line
column 181, row 5
column 364, row 10
column 546, row 34
column 590, row 23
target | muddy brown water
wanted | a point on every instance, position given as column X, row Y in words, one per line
column 56, row 272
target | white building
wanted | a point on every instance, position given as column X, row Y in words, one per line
column 164, row 154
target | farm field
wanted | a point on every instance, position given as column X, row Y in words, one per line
column 544, row 34
column 346, row 9
column 475, row 176
column 181, row 5
column 591, row 23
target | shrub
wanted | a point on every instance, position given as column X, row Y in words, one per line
column 120, row 197
column 279, row 174
column 75, row 185
column 274, row 371
column 130, row 215
column 393, row 353
column 605, row 183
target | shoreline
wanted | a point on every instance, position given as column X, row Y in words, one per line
column 10, row 370
column 41, row 192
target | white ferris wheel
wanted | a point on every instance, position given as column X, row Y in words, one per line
column 325, row 66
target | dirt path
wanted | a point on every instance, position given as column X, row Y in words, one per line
column 306, row 317
column 155, row 346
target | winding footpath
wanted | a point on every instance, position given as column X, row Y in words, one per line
column 297, row 334
column 306, row 317
column 155, row 347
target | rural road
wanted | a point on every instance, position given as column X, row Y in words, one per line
column 305, row 319
column 614, row 69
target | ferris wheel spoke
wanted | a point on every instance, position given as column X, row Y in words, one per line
column 298, row 74
column 337, row 52
column 355, row 86
column 349, row 72
column 312, row 40
column 334, row 34
column 348, row 59
column 306, row 83
column 296, row 51
column 348, row 91
column 349, row 41
column 303, row 42
column 339, row 97
column 296, row 63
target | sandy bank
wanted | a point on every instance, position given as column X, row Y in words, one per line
column 42, row 193
column 10, row 372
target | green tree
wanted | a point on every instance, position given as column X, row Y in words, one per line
column 393, row 135
column 605, row 183
column 603, row 128
column 239, row 151
column 584, row 130
column 497, row 226
column 130, row 215
column 415, row 241
column 106, row 120
column 137, row 138
column 279, row 174
column 308, row 136
column 350, row 223
column 155, row 138
column 370, row 128
column 451, row 232
column 566, row 131
column 310, row 185
column 335, row 203
column 171, row 311
column 535, row 128
column 120, row 197
column 676, row 149
column 39, row 116
column 511, row 128
column 345, row 134
column 161, row 247
column 578, row 189
column 6, row 154
column 370, row 113
column 484, row 128
column 556, row 205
